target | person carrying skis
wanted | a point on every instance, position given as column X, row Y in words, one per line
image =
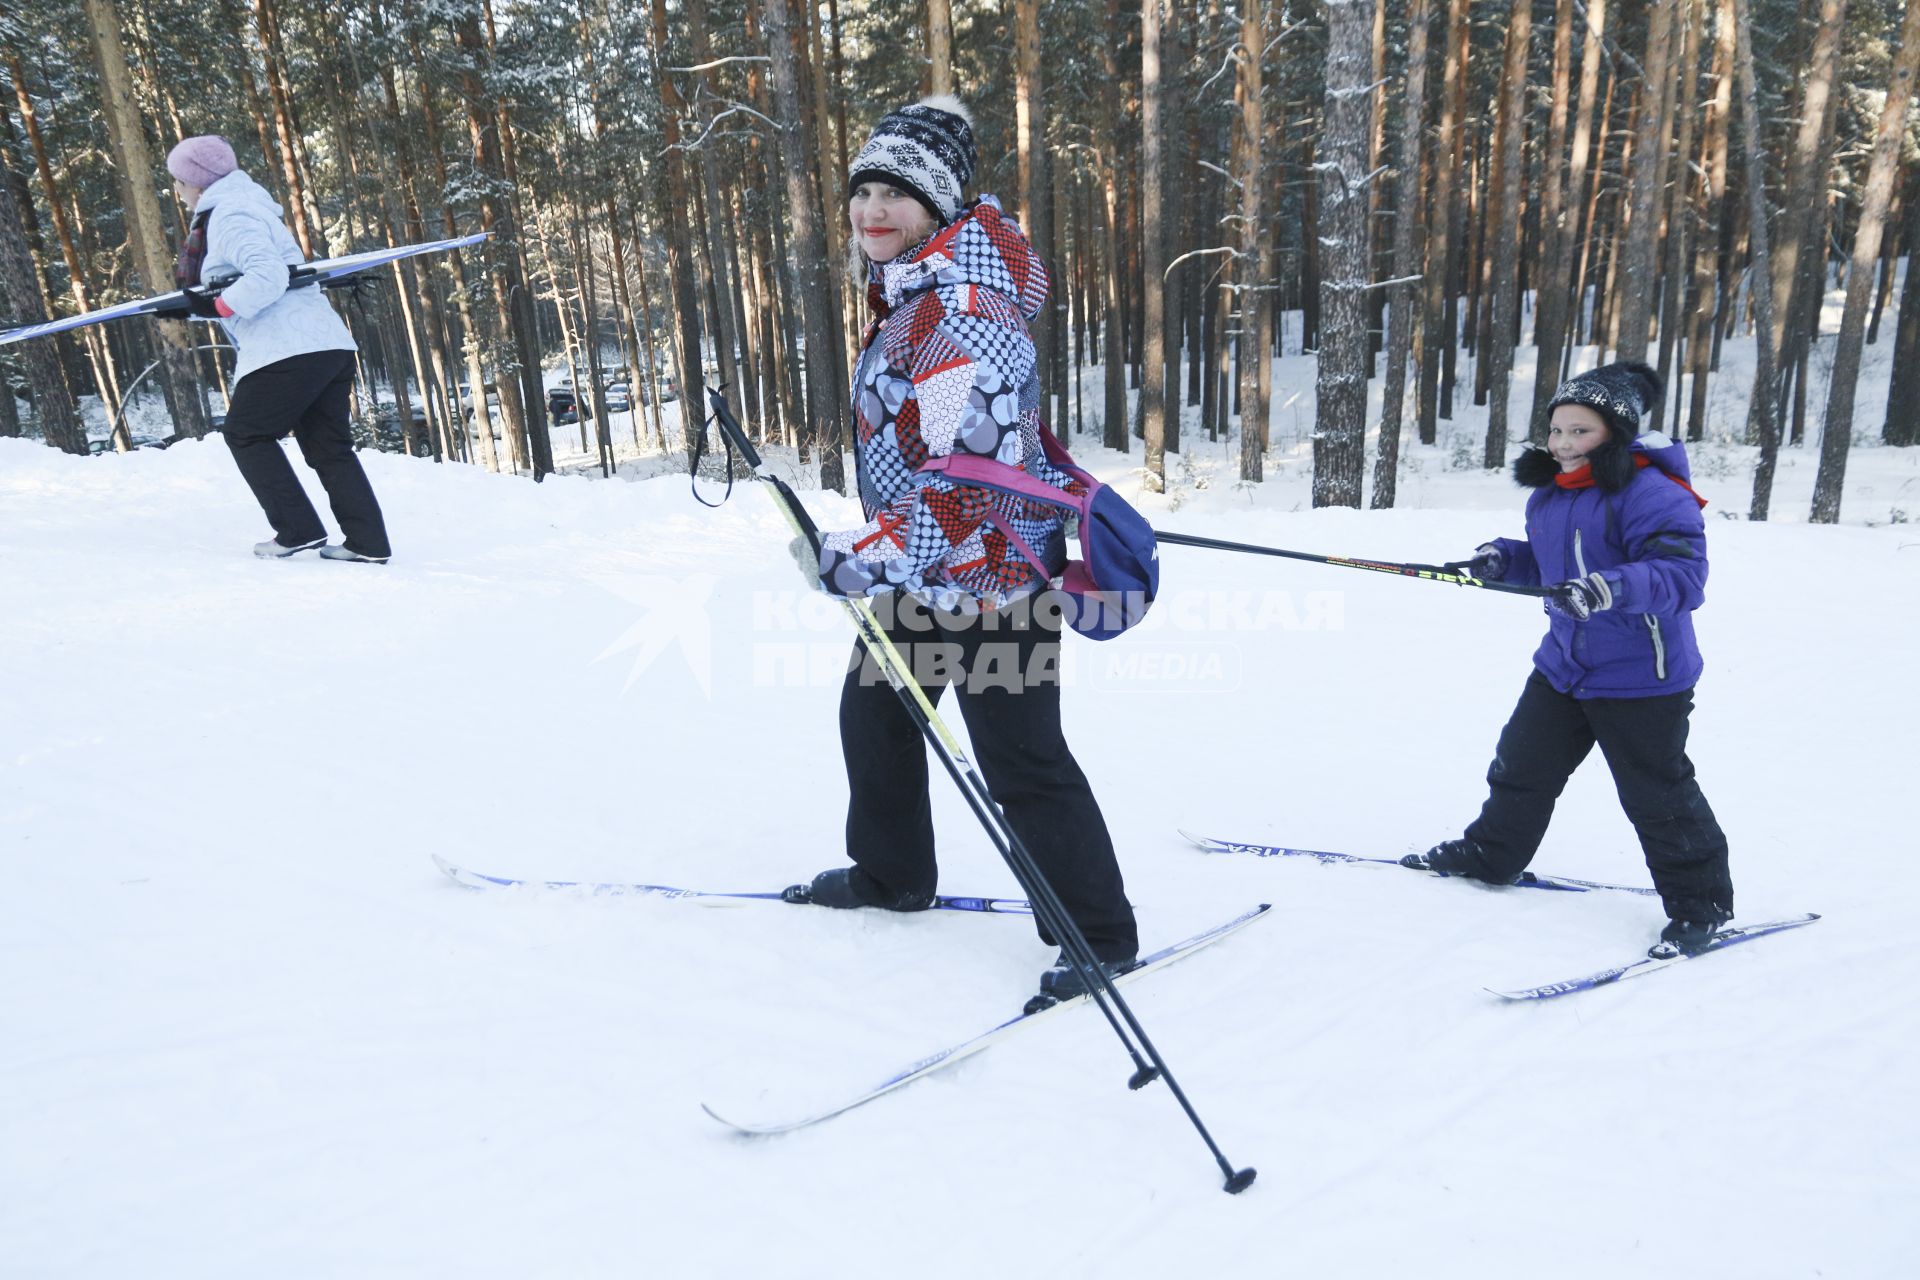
column 1614, row 524
column 948, row 366
column 293, row 370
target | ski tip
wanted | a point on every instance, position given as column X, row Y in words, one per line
column 1199, row 842
column 747, row 1130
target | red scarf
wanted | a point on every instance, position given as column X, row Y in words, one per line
column 1582, row 477
column 193, row 252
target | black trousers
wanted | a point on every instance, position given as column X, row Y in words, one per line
column 1644, row 741
column 306, row 395
column 1005, row 670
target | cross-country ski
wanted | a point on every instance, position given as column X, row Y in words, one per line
column 1527, row 880
column 622, row 888
column 967, row 1048
column 1721, row 940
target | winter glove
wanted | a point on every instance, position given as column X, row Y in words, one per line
column 192, row 302
column 807, row 558
column 1581, row 598
column 1489, row 563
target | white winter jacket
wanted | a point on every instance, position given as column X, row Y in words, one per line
column 270, row 322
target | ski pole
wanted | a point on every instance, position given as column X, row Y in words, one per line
column 1006, row 841
column 1453, row 572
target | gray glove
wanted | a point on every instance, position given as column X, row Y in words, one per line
column 1489, row 563
column 807, row 559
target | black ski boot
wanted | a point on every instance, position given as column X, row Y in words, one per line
column 848, row 887
column 1456, row 858
column 1063, row 982
column 1686, row 937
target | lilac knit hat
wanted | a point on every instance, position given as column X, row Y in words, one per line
column 202, row 161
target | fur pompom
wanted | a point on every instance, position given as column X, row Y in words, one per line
column 953, row 106
column 1535, row 469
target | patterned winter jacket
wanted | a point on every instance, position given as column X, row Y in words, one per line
column 948, row 367
column 1651, row 543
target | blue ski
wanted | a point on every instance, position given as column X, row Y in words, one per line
column 1725, row 938
column 608, row 888
column 967, row 1048
column 1528, row 879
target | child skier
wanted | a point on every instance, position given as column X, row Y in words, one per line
column 1614, row 523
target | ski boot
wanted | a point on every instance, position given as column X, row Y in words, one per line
column 849, row 887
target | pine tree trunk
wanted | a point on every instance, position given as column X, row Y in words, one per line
column 1679, row 203
column 1806, row 182
column 20, row 298
column 1030, row 130
column 1586, row 197
column 1766, row 401
column 1712, row 212
column 1498, row 356
column 825, row 399
column 726, row 346
column 1903, row 396
column 940, row 46
column 133, row 163
column 1340, row 421
column 1113, row 344
column 1254, row 269
column 1153, row 253
column 1837, row 433
column 99, row 357
column 684, row 299
column 1551, row 300
column 1406, row 259
column 1441, row 242
column 1636, row 281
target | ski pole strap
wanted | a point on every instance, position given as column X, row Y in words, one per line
column 736, row 438
column 1431, row 572
column 700, row 451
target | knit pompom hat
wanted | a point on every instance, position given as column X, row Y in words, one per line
column 202, row 160
column 925, row 150
column 1621, row 393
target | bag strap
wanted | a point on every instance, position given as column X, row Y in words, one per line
column 973, row 469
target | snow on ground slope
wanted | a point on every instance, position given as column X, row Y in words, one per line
column 247, row 1029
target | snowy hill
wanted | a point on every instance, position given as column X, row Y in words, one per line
column 247, row 1029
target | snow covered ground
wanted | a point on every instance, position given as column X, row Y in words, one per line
column 247, row 1029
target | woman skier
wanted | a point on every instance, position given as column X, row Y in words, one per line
column 293, row 371
column 948, row 367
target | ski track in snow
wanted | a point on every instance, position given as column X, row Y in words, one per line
column 247, row 1028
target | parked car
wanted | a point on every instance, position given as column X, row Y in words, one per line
column 466, row 399
column 619, row 398
column 563, row 407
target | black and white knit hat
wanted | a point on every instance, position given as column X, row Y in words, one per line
column 926, row 150
column 1621, row 393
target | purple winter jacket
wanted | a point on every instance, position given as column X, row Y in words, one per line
column 1651, row 542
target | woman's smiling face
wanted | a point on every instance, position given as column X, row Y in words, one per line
column 886, row 220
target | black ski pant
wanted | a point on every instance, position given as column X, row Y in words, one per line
column 1644, row 741
column 1004, row 667
column 307, row 396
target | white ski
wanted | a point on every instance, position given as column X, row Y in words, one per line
column 967, row 1048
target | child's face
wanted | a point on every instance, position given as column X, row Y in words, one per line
column 1574, row 432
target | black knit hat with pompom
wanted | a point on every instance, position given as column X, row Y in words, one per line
column 1621, row 393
